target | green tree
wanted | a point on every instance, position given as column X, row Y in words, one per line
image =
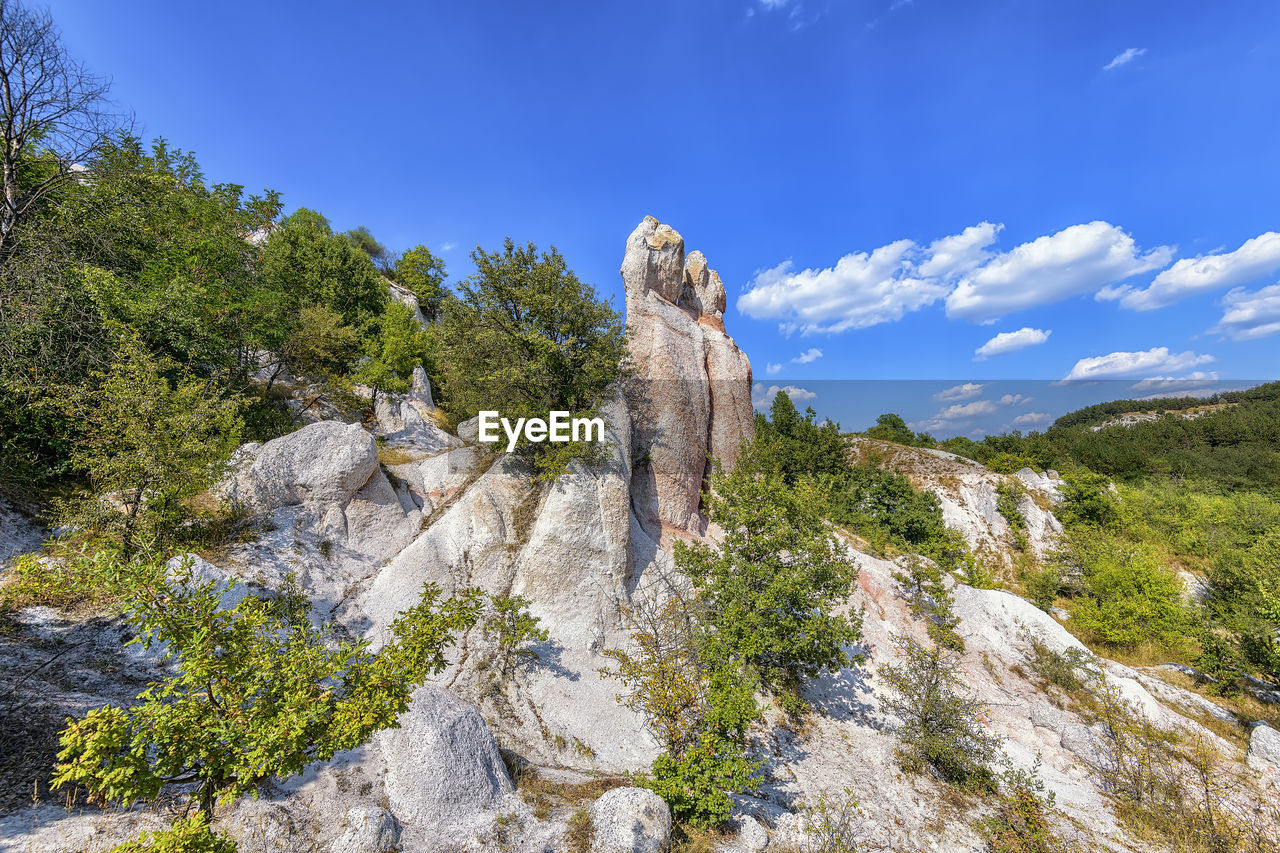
column 362, row 238
column 770, row 588
column 258, row 694
column 400, row 345
column 526, row 337
column 515, row 629
column 796, row 446
column 304, row 258
column 149, row 444
column 941, row 721
column 423, row 273
column 891, row 427
column 321, row 345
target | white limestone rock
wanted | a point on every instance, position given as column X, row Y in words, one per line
column 630, row 820
column 443, row 771
column 368, row 829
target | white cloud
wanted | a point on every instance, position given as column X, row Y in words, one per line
column 773, row 369
column 773, row 4
column 955, row 413
column 811, row 354
column 1249, row 315
column 1015, row 400
column 1256, row 257
column 1122, row 365
column 1166, row 386
column 761, row 396
column 448, row 247
column 1007, row 342
column 959, row 392
column 959, row 253
column 1076, row 260
column 862, row 289
column 1124, row 58
column 1032, row 419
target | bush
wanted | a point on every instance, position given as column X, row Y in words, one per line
column 770, row 588
column 1008, row 500
column 1021, row 820
column 941, row 721
column 258, row 692
column 191, row 834
column 693, row 784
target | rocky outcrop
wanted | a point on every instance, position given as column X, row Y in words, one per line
column 1264, row 752
column 691, row 392
column 630, row 820
column 443, row 770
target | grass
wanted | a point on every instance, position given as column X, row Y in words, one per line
column 545, row 795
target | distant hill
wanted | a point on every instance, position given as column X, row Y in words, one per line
column 1103, row 412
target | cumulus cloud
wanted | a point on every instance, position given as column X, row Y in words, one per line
column 959, row 392
column 881, row 286
column 773, row 369
column 863, row 289
column 761, row 396
column 1076, row 260
column 1255, row 258
column 1015, row 400
column 1248, row 315
column 1174, row 386
column 811, row 354
column 1007, row 342
column 1124, row 58
column 954, row 414
column 1123, row 365
column 1032, row 419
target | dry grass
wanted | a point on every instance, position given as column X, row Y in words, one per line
column 395, row 456
column 579, row 833
column 546, row 795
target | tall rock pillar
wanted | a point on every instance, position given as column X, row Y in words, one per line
column 691, row 391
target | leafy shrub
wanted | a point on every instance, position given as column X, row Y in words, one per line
column 191, row 834
column 929, row 597
column 1129, row 597
column 1008, row 501
column 514, row 629
column 1021, row 822
column 770, row 588
column 694, row 783
column 942, row 727
column 1072, row 670
column 258, row 693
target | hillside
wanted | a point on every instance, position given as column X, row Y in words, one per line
column 491, row 757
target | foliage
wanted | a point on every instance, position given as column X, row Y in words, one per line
column 362, row 238
column 693, row 784
column 190, row 834
column 67, row 578
column 423, row 273
column 867, row 498
column 891, row 427
column 1021, row 821
column 306, row 260
column 1008, row 501
column 515, row 629
column 832, row 824
column 928, row 597
column 399, row 346
column 696, row 703
column 1085, row 499
column 148, row 445
column 526, row 337
column 258, row 693
column 1129, row 597
column 1042, row 582
column 942, row 727
column 321, row 346
column 1072, row 670
column 794, row 446
column 770, row 588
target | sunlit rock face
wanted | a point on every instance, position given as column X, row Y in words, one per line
column 691, row 393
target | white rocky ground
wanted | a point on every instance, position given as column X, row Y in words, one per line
column 363, row 537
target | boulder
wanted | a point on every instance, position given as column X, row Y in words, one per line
column 322, row 464
column 408, row 424
column 420, row 387
column 1264, row 750
column 368, row 829
column 691, row 391
column 630, row 820
column 444, row 772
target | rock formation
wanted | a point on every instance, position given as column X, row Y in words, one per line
column 691, row 393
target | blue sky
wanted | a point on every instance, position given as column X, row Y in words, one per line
column 893, row 185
